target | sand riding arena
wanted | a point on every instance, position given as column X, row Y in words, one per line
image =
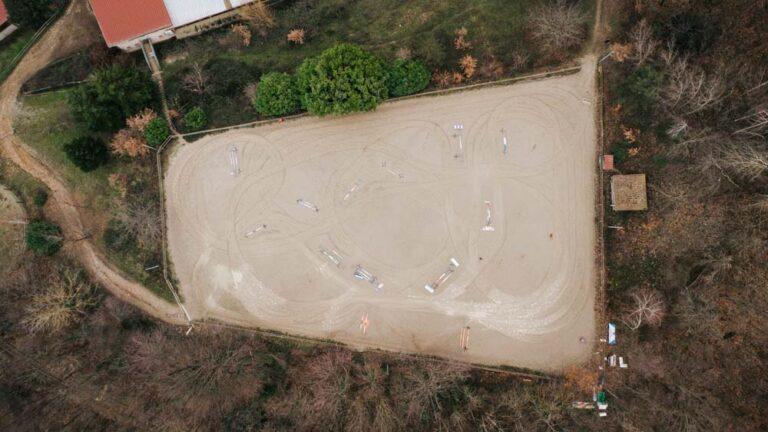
column 461, row 226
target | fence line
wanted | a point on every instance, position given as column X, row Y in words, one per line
column 547, row 74
column 35, row 37
column 53, row 88
column 305, row 339
column 161, row 190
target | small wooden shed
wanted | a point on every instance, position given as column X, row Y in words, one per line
column 628, row 192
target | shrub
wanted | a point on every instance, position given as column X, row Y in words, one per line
column 110, row 96
column 468, row 65
column 303, row 77
column 341, row 80
column 87, row 153
column 639, row 93
column 195, row 119
column 620, row 152
column 43, row 238
column 156, row 132
column 296, row 36
column 40, row 197
column 140, row 120
column 129, row 142
column 407, row 77
column 277, row 95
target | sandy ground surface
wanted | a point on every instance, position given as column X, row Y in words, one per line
column 12, row 220
column 401, row 192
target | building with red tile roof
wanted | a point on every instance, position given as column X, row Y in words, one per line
column 3, row 13
column 125, row 23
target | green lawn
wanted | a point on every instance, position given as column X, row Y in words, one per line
column 45, row 123
column 496, row 30
column 11, row 47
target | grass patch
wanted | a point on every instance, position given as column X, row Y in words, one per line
column 22, row 184
column 496, row 29
column 10, row 48
column 46, row 124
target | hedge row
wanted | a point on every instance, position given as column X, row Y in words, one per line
column 341, row 80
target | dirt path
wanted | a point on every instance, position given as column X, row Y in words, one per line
column 71, row 32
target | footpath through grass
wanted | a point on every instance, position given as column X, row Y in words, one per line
column 10, row 48
column 45, row 123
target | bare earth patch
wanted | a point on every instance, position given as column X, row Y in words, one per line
column 401, row 193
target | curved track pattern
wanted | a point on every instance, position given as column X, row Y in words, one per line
column 400, row 192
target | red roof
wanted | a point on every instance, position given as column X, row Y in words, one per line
column 121, row 20
column 3, row 13
column 608, row 162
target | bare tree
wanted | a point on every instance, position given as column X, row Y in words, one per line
column 678, row 128
column 328, row 379
column 643, row 42
column 690, row 140
column 558, row 26
column 669, row 54
column 714, row 267
column 690, row 89
column 747, row 160
column 258, row 15
column 647, row 307
column 64, row 300
column 761, row 203
column 425, row 381
column 196, row 81
column 757, row 123
column 141, row 219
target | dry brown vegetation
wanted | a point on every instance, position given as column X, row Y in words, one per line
column 62, row 299
column 115, row 369
column 687, row 277
column 558, row 26
column 130, row 141
column 196, row 80
column 461, row 43
column 468, row 65
column 243, row 33
column 259, row 16
column 296, row 36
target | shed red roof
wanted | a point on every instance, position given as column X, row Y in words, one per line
column 126, row 19
column 3, row 13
